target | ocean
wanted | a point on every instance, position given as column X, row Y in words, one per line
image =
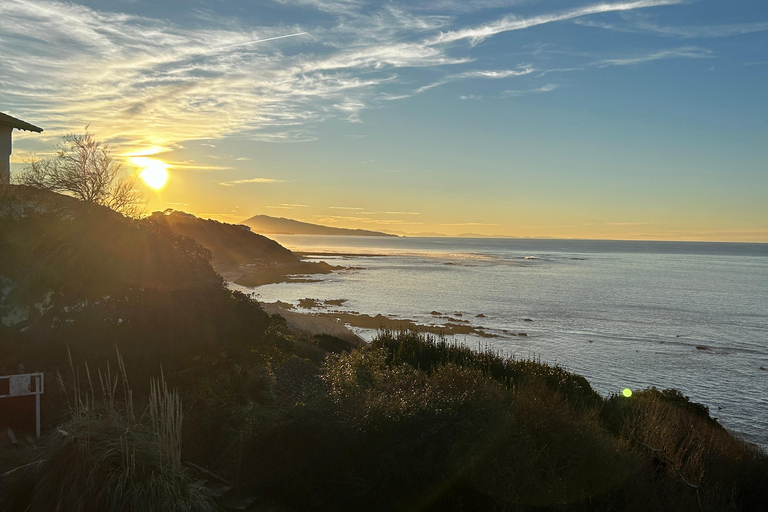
column 624, row 314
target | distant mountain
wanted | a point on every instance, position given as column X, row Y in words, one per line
column 281, row 226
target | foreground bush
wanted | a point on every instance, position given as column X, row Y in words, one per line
column 418, row 423
column 410, row 423
column 94, row 466
column 105, row 459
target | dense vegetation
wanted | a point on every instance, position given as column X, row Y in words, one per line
column 419, row 423
column 89, row 278
column 246, row 258
column 309, row 423
column 229, row 243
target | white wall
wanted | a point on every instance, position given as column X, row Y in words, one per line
column 5, row 154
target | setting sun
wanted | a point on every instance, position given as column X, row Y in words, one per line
column 154, row 172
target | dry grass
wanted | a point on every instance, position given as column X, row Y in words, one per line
column 104, row 458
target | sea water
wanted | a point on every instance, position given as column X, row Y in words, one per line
column 683, row 315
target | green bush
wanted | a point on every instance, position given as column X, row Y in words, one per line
column 426, row 352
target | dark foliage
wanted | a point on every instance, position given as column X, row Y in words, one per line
column 411, row 423
column 428, row 353
column 91, row 279
column 230, row 244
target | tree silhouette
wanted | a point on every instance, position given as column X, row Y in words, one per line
column 85, row 168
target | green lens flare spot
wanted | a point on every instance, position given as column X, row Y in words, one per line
column 627, row 392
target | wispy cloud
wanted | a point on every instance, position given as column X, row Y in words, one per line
column 690, row 52
column 287, row 206
column 345, row 208
column 251, row 180
column 335, row 219
column 512, row 93
column 683, row 32
column 467, row 75
column 143, row 81
column 480, row 33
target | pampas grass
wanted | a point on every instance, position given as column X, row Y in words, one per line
column 103, row 458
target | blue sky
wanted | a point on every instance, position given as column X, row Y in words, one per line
column 616, row 119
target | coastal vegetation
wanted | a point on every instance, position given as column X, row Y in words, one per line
column 300, row 422
column 238, row 254
column 84, row 167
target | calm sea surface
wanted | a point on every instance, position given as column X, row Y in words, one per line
column 690, row 316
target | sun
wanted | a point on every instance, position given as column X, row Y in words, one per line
column 154, row 172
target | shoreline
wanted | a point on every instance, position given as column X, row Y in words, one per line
column 312, row 315
column 252, row 276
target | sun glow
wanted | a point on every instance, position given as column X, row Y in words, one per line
column 154, row 172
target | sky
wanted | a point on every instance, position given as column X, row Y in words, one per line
column 626, row 119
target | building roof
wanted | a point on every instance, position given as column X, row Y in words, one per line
column 6, row 120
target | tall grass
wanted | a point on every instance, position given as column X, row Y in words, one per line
column 166, row 415
column 104, row 458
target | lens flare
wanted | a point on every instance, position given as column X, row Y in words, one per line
column 627, row 392
column 154, row 172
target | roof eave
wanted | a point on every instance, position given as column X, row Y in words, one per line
column 11, row 121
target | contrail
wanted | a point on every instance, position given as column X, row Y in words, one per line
column 258, row 41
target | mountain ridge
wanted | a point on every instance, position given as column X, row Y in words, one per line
column 282, row 226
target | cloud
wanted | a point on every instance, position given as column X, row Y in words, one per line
column 690, row 52
column 543, row 88
column 251, row 180
column 345, row 208
column 287, row 206
column 683, row 32
column 334, row 219
column 143, row 81
column 510, row 23
column 489, row 74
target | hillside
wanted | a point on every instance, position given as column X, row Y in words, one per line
column 229, row 243
column 281, row 226
column 80, row 276
column 410, row 422
column 239, row 255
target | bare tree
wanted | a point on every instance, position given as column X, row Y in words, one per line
column 85, row 168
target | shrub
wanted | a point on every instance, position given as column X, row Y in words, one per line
column 104, row 458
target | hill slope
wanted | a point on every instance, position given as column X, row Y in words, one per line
column 79, row 275
column 229, row 243
column 239, row 255
column 281, row 226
